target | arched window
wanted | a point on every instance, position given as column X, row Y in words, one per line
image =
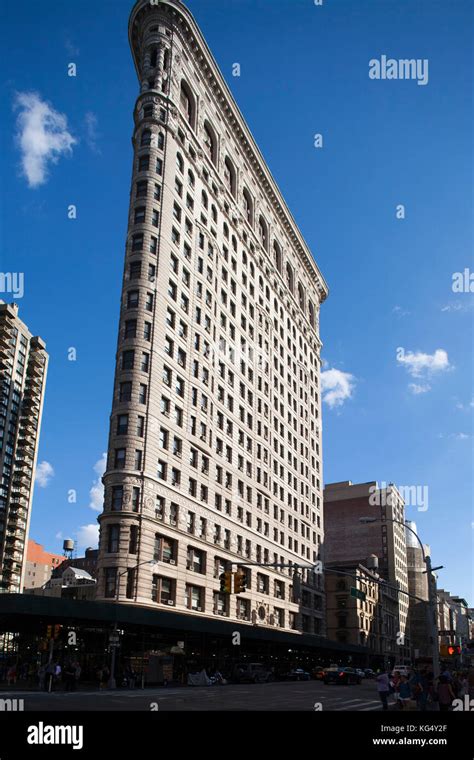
column 161, row 140
column 187, row 103
column 312, row 319
column 179, row 162
column 204, row 199
column 153, row 57
column 210, row 143
column 190, row 178
column 290, row 278
column 301, row 296
column 278, row 256
column 146, row 137
column 263, row 232
column 248, row 206
column 230, row 176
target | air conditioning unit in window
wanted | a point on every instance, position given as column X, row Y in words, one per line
column 199, row 609
column 172, row 562
column 170, row 602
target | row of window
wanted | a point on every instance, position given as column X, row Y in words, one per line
column 210, row 145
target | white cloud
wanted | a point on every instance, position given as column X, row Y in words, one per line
column 419, row 388
column 88, row 536
column 59, row 536
column 459, row 436
column 42, row 135
column 454, row 306
column 92, row 134
column 400, row 312
column 418, row 363
column 465, row 407
column 44, row 473
column 337, row 386
column 96, row 492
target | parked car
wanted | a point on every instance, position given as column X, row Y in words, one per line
column 341, row 676
column 369, row 673
column 360, row 672
column 318, row 673
column 297, row 674
column 252, row 672
column 403, row 670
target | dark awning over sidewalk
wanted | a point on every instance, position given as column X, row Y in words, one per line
column 28, row 612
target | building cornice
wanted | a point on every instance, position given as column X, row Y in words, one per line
column 210, row 71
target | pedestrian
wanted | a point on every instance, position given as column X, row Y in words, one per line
column 41, row 676
column 404, row 693
column 419, row 687
column 395, row 683
column 11, row 675
column 77, row 674
column 49, row 681
column 383, row 688
column 69, row 676
column 445, row 694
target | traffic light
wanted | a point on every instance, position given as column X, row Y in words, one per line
column 226, row 582
column 240, row 582
column 49, row 632
column 453, row 650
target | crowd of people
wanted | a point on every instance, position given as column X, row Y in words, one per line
column 54, row 675
column 419, row 689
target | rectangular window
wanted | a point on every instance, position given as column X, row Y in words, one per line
column 117, row 498
column 132, row 299
column 133, row 544
column 119, row 459
column 128, row 358
column 113, row 538
column 110, row 582
column 122, row 424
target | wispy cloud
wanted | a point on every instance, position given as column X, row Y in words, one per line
column 42, row 135
column 417, row 388
column 88, row 536
column 418, row 363
column 44, row 473
column 337, row 387
column 92, row 134
column 465, row 407
column 455, row 436
column 465, row 305
column 96, row 492
column 70, row 47
column 400, row 312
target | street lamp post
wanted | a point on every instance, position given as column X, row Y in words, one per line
column 112, row 683
column 432, row 605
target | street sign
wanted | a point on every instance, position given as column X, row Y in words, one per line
column 447, row 633
column 357, row 594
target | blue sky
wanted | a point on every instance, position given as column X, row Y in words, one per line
column 304, row 70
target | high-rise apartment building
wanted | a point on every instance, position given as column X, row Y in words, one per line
column 214, row 452
column 347, row 537
column 23, row 367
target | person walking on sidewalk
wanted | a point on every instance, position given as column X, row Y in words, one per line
column 445, row 694
column 383, row 688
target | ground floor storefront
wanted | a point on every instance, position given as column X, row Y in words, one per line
column 151, row 646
